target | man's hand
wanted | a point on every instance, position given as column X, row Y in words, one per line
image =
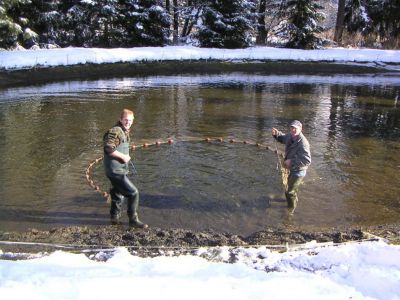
column 274, row 132
column 120, row 156
column 126, row 158
column 288, row 164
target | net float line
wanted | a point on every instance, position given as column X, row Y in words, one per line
column 96, row 187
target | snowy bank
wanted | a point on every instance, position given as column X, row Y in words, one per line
column 369, row 270
column 15, row 60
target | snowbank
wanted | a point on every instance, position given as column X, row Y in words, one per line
column 369, row 270
column 11, row 60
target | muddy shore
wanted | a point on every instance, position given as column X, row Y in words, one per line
column 156, row 241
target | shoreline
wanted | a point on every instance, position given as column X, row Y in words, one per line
column 155, row 241
column 42, row 75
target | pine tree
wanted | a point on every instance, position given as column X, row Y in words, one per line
column 147, row 23
column 273, row 22
column 385, row 18
column 12, row 23
column 48, row 23
column 75, row 24
column 303, row 24
column 262, row 31
column 190, row 14
column 227, row 24
column 39, row 16
column 357, row 17
column 100, row 16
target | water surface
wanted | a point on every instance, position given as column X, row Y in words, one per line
column 50, row 133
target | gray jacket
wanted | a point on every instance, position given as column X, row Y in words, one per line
column 297, row 151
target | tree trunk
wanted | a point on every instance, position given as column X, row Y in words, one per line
column 187, row 19
column 176, row 22
column 339, row 22
column 167, row 6
column 262, row 33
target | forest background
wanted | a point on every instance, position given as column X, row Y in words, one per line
column 303, row 24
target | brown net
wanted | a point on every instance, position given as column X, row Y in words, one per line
column 283, row 171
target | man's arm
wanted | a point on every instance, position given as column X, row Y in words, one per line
column 120, row 156
column 279, row 136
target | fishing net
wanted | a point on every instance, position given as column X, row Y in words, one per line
column 201, row 174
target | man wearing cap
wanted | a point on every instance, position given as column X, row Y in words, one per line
column 297, row 159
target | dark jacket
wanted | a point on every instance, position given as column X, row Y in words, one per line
column 117, row 138
column 298, row 151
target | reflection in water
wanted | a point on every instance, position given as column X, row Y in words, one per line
column 49, row 134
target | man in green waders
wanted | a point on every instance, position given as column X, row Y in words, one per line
column 116, row 159
column 297, row 159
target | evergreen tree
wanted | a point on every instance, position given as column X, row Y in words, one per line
column 75, row 23
column 49, row 24
column 9, row 30
column 147, row 23
column 191, row 13
column 261, row 28
column 227, row 24
column 274, row 23
column 357, row 17
column 385, row 18
column 100, row 16
column 12, row 24
column 40, row 23
column 303, row 28
column 379, row 20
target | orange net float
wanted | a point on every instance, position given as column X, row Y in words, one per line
column 97, row 188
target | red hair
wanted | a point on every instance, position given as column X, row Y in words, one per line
column 126, row 112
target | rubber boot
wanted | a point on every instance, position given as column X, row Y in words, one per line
column 291, row 194
column 292, row 202
column 135, row 222
column 117, row 200
column 133, row 205
column 115, row 220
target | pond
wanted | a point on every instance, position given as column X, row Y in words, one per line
column 50, row 133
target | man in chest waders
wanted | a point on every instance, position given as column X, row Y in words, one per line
column 297, row 159
column 116, row 160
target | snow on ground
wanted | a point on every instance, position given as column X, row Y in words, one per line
column 368, row 270
column 71, row 56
